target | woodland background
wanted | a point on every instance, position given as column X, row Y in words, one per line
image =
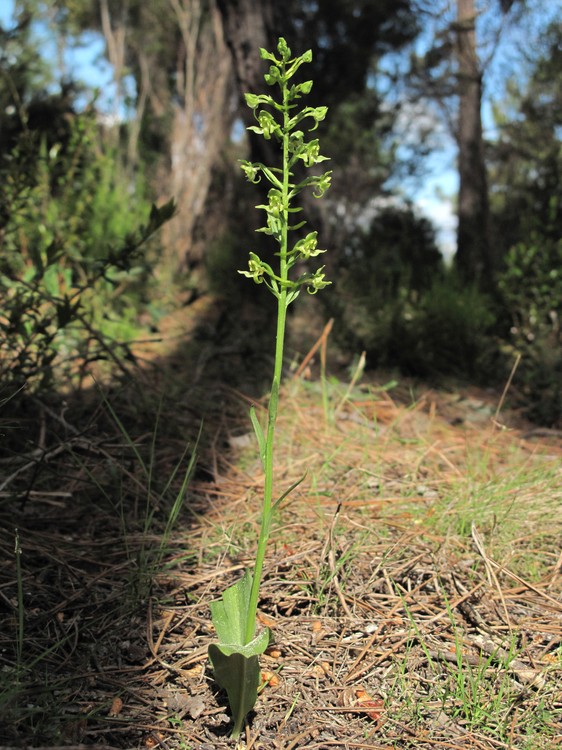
column 83, row 274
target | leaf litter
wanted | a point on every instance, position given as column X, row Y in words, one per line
column 413, row 584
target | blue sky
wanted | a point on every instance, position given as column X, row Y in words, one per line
column 86, row 63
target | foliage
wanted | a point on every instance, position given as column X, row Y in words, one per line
column 70, row 247
column 531, row 289
column 442, row 329
column 388, row 265
column 451, row 331
column 395, row 250
column 526, row 172
column 526, row 160
column 235, row 657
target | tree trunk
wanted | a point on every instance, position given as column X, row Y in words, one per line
column 473, row 258
column 114, row 31
column 248, row 25
column 201, row 121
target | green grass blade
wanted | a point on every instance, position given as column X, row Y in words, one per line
column 287, row 492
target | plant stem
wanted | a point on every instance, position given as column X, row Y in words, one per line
column 274, row 398
column 21, row 617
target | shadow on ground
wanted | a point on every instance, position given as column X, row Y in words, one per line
column 91, row 485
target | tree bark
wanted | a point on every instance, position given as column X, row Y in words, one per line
column 201, row 121
column 473, row 258
column 249, row 25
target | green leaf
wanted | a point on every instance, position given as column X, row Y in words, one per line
column 240, row 677
column 160, row 215
column 235, row 662
column 254, row 648
column 259, row 434
column 51, row 280
column 230, row 612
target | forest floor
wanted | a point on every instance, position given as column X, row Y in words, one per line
column 413, row 582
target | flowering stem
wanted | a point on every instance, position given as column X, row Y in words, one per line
column 279, row 121
column 274, row 398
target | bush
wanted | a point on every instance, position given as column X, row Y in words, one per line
column 71, row 243
column 452, row 327
column 397, row 301
column 444, row 330
column 531, row 291
column 396, row 251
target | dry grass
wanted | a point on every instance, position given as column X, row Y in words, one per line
column 413, row 583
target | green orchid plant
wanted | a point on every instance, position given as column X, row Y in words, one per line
column 235, row 658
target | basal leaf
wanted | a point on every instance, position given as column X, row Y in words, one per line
column 240, row 677
column 254, row 648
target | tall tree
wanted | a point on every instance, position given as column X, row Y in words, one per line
column 201, row 117
column 473, row 258
column 525, row 159
column 451, row 74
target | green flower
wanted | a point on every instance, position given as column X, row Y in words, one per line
column 310, row 153
column 299, row 89
column 322, row 184
column 317, row 282
column 273, row 77
column 268, row 125
column 283, row 49
column 254, row 100
column 296, row 142
column 318, row 113
column 251, row 171
column 274, row 206
column 257, row 269
column 307, row 247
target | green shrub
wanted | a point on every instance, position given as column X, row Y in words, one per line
column 397, row 301
column 71, row 245
column 452, row 328
column 446, row 329
column 531, row 290
column 396, row 251
column 383, row 267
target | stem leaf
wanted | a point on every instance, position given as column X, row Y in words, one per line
column 259, row 434
column 287, row 492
